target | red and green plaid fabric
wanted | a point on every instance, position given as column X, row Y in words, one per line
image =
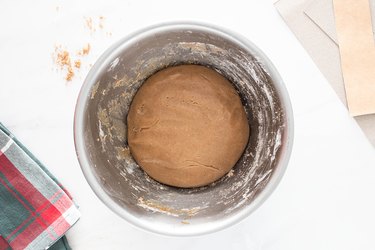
column 35, row 210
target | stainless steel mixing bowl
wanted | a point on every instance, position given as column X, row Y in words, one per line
column 101, row 141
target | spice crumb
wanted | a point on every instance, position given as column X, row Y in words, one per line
column 85, row 50
column 70, row 74
column 63, row 58
column 77, row 63
column 70, row 63
column 94, row 23
column 89, row 24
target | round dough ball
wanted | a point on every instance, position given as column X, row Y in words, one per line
column 187, row 126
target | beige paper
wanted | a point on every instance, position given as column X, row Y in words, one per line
column 321, row 13
column 322, row 49
column 357, row 50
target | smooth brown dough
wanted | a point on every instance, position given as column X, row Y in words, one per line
column 187, row 126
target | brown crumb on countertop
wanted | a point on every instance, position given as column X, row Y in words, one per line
column 85, row 50
column 89, row 24
column 94, row 24
column 62, row 56
column 70, row 74
column 71, row 63
column 63, row 60
column 77, row 63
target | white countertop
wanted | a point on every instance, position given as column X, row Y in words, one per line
column 326, row 199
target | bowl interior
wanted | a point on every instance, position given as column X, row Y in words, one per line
column 105, row 155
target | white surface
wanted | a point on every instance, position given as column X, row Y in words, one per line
column 326, row 199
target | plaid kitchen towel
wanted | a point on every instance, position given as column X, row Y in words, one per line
column 35, row 209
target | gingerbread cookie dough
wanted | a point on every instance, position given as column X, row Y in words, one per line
column 187, row 126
